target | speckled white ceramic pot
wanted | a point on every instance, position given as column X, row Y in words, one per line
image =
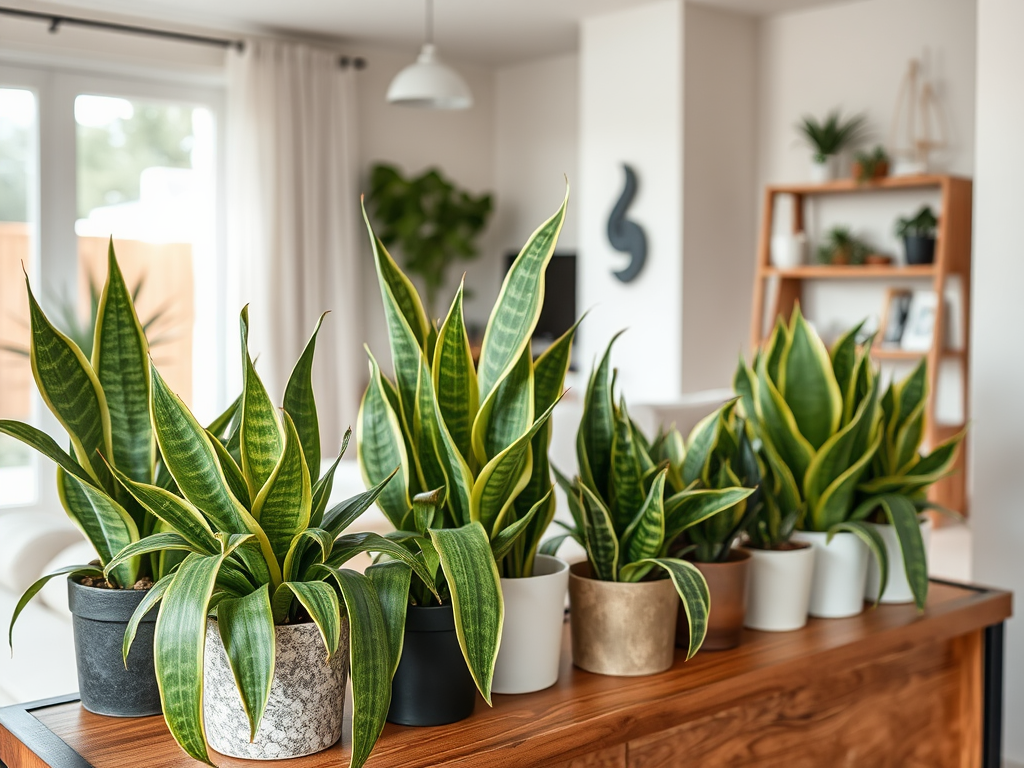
column 307, row 697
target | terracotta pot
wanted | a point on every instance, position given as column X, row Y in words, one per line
column 727, row 583
column 779, row 590
column 622, row 629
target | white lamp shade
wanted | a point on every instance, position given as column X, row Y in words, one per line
column 430, row 84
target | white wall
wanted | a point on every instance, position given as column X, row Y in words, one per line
column 631, row 111
column 997, row 436
column 719, row 198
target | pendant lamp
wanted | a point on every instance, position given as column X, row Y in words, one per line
column 429, row 83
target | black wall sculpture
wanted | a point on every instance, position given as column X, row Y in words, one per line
column 625, row 235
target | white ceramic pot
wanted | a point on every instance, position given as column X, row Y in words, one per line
column 826, row 171
column 779, row 588
column 897, row 588
column 840, row 572
column 307, row 697
column 531, row 636
column 789, row 250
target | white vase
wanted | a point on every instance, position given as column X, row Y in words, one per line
column 531, row 635
column 779, row 588
column 305, row 710
column 840, row 572
column 789, row 250
column 824, row 171
column 897, row 588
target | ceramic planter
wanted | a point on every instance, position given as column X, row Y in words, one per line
column 307, row 697
column 919, row 249
column 897, row 588
column 99, row 618
column 840, row 573
column 432, row 685
column 727, row 584
column 621, row 629
column 779, row 587
column 531, row 636
column 824, row 171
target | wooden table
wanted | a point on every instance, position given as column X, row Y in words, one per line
column 887, row 688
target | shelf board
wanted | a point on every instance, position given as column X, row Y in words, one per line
column 846, row 186
column 895, row 353
column 827, row 272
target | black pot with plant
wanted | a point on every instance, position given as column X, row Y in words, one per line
column 918, row 235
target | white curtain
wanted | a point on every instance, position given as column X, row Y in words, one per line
column 292, row 218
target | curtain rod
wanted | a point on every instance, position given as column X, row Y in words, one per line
column 56, row 20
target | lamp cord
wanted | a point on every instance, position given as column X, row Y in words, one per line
column 430, row 22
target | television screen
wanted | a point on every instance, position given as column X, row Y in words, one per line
column 559, row 310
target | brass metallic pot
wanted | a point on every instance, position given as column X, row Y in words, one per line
column 622, row 629
column 727, row 584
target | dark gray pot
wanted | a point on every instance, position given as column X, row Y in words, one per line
column 100, row 617
column 920, row 249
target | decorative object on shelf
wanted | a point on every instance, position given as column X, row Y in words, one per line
column 625, row 235
column 102, row 404
column 828, row 138
column 627, row 525
column 262, row 548
column 841, row 248
column 482, row 431
column 789, row 250
column 918, row 234
column 894, row 317
column 916, row 117
column 429, row 83
column 870, row 165
column 434, row 223
column 878, row 260
column 919, row 329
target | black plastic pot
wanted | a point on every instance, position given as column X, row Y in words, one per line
column 432, row 685
column 99, row 618
column 920, row 249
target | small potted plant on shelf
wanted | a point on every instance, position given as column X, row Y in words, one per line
column 868, row 166
column 841, row 248
column 828, row 138
column 482, row 431
column 257, row 626
column 103, row 405
column 623, row 614
column 918, row 234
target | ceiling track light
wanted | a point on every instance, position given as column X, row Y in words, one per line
column 429, row 83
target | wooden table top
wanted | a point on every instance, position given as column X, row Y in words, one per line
column 581, row 714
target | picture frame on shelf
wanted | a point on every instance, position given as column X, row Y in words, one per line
column 919, row 329
column 894, row 316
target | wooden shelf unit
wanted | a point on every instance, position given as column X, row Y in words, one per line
column 952, row 258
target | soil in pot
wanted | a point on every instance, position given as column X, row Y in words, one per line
column 779, row 587
column 99, row 617
column 432, row 685
column 619, row 628
column 727, row 584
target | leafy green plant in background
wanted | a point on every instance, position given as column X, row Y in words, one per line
column 430, row 220
column 263, row 550
column 832, row 135
column 921, row 224
column 841, row 247
column 871, row 163
column 622, row 514
column 481, row 432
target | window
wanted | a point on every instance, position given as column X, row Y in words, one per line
column 83, row 159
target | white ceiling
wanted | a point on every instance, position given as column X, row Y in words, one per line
column 491, row 32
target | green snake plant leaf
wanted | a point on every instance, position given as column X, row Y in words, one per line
column 351, row 544
column 602, row 544
column 903, row 516
column 33, row 590
column 503, row 541
column 836, row 502
column 227, row 419
column 391, row 581
column 232, row 472
column 685, row 509
column 909, row 438
column 807, row 382
column 260, row 432
column 780, row 427
column 597, row 427
column 179, row 646
column 874, row 543
column 153, row 596
column 844, row 365
column 645, row 536
column 701, row 443
column 47, row 446
column 104, row 522
column 626, row 482
column 519, row 302
column 322, row 489
column 300, row 545
column 472, row 576
column 300, row 404
column 743, row 384
column 321, row 603
column 284, row 505
column 928, row 470
column 911, row 391
column 382, row 448
column 772, row 352
column 507, row 412
column 246, row 627
column 71, row 390
column 551, row 368
column 454, row 377
column 120, row 357
column 154, row 543
column 552, row 545
column 343, row 514
column 692, row 590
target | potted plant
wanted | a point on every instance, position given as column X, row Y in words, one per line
column 623, row 609
column 841, row 248
column 482, row 431
column 432, row 222
column 870, row 165
column 828, row 138
column 718, row 456
column 894, row 491
column 251, row 646
column 918, row 234
column 102, row 403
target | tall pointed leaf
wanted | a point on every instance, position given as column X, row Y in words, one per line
column 809, row 385
column 597, row 427
column 261, row 439
column 692, row 590
column 246, row 627
column 105, row 523
column 646, row 534
column 599, row 535
column 300, row 404
column 391, row 581
column 284, row 505
column 454, row 377
column 507, row 412
column 46, row 445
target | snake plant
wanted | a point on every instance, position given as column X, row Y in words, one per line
column 623, row 516
column 103, row 405
column 262, row 550
column 478, row 431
